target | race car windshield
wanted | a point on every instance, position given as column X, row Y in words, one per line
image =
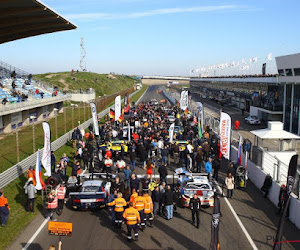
column 197, row 186
column 90, row 189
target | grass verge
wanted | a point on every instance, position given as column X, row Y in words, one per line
column 19, row 218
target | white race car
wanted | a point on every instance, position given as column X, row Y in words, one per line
column 200, row 185
column 252, row 120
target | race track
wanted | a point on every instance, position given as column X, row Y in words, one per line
column 95, row 230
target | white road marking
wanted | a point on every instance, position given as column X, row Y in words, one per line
column 35, row 234
column 238, row 219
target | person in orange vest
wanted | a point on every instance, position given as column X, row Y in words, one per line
column 139, row 204
column 119, row 204
column 31, row 174
column 148, row 210
column 132, row 218
column 4, row 209
column 133, row 195
column 51, row 205
column 236, row 125
column 61, row 193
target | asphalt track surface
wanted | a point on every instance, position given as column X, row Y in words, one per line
column 95, row 230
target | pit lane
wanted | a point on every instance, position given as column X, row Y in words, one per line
column 95, row 230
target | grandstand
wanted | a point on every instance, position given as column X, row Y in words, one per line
column 24, row 100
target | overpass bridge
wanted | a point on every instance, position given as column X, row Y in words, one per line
column 159, row 80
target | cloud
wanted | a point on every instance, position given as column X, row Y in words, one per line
column 166, row 11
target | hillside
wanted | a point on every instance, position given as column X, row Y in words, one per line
column 103, row 84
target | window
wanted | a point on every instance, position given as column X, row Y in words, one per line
column 281, row 72
column 288, row 72
column 297, row 72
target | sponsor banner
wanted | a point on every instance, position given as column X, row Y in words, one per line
column 184, row 99
column 201, row 114
column 117, row 107
column 171, row 132
column 95, row 118
column 225, row 134
column 46, row 159
column 126, row 104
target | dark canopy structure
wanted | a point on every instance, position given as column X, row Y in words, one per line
column 26, row 18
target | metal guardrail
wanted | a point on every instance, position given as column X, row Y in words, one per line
column 170, row 98
column 20, row 168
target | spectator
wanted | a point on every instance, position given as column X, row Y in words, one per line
column 134, row 183
column 208, row 168
column 216, row 167
column 127, row 172
column 132, row 159
column 165, row 154
column 267, row 185
column 4, row 209
column 162, row 190
column 30, row 190
column 229, row 181
column 199, row 160
column 4, row 101
column 169, row 202
column 53, row 161
column 155, row 199
column 163, row 172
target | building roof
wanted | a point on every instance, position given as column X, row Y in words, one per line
column 274, row 131
column 26, row 18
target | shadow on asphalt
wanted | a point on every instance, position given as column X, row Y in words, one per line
column 33, row 246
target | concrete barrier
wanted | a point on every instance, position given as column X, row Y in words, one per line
column 257, row 176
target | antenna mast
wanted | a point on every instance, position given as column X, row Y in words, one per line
column 82, row 55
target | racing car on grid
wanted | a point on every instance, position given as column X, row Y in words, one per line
column 91, row 194
column 115, row 146
column 191, row 183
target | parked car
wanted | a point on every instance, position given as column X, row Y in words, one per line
column 252, row 120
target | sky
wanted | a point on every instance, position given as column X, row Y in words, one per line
column 160, row 37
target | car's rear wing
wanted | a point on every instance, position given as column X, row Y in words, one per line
column 86, row 193
column 90, row 176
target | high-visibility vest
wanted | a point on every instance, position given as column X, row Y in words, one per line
column 53, row 204
column 139, row 203
column 61, row 192
column 148, row 204
column 3, row 201
column 131, row 215
column 133, row 196
column 31, row 174
column 119, row 204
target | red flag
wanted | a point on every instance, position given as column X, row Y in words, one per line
column 186, row 111
column 121, row 116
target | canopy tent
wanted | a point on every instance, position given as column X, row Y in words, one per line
column 274, row 138
column 26, row 18
column 274, row 131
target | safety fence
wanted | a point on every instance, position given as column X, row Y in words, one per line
column 263, row 159
column 20, row 168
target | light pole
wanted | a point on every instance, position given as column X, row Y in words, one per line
column 84, row 112
column 56, row 112
column 17, row 141
column 79, row 113
column 32, row 117
column 65, row 119
column 72, row 105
